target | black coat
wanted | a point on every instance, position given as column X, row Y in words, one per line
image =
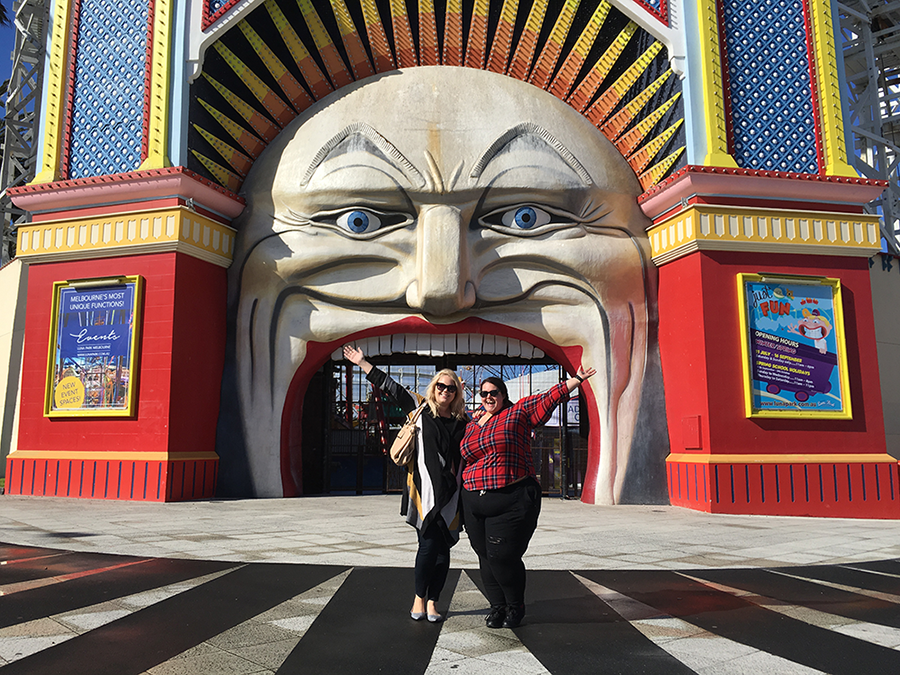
column 441, row 452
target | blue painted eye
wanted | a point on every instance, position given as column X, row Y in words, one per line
column 359, row 222
column 525, row 217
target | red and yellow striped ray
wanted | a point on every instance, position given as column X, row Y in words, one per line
column 453, row 47
column 334, row 64
column 296, row 94
column 634, row 137
column 640, row 159
column 502, row 41
column 359, row 60
column 520, row 64
column 312, row 74
column 263, row 127
column 403, row 39
column 245, row 139
column 546, row 62
column 476, row 45
column 652, row 175
column 278, row 109
column 238, row 160
column 585, row 91
column 614, row 126
column 574, row 62
column 222, row 175
column 428, row 38
column 381, row 50
column 604, row 105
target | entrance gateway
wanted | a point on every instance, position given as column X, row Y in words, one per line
column 349, row 452
column 576, row 177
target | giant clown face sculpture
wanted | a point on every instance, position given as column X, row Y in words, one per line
column 442, row 201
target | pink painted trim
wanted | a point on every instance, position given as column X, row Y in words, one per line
column 148, row 72
column 765, row 185
column 69, row 97
column 127, row 187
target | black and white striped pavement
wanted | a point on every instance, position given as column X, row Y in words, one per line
column 98, row 614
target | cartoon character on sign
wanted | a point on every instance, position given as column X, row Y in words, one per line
column 813, row 326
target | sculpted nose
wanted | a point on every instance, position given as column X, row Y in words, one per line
column 442, row 285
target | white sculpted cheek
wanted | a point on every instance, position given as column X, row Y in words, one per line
column 604, row 266
column 321, row 260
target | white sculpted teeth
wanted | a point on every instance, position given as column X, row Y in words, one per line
column 439, row 345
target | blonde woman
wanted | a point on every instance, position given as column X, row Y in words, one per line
column 431, row 497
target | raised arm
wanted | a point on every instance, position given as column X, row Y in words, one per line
column 380, row 379
column 540, row 406
column 355, row 355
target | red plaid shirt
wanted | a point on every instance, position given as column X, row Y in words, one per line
column 499, row 453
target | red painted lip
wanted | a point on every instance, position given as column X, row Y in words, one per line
column 317, row 353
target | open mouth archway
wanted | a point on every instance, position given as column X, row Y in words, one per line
column 345, row 441
column 337, row 443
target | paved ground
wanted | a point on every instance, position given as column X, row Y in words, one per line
column 322, row 585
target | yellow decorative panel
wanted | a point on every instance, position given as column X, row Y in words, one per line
column 157, row 134
column 713, row 86
column 765, row 230
column 824, row 458
column 175, row 229
column 829, row 90
column 54, row 104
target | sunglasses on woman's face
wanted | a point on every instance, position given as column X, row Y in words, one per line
column 492, row 393
column 440, row 386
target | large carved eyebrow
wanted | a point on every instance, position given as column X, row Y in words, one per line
column 531, row 129
column 387, row 149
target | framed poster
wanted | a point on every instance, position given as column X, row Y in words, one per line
column 792, row 344
column 93, row 345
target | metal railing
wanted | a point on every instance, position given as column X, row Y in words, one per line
column 22, row 112
column 871, row 48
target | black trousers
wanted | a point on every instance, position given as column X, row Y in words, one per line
column 500, row 524
column 432, row 561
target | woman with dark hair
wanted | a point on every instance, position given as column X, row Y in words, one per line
column 431, row 495
column 501, row 495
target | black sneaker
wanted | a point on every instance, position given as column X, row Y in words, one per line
column 496, row 618
column 514, row 616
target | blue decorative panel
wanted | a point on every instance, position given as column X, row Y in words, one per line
column 107, row 117
column 772, row 114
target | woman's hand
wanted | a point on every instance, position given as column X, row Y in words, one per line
column 583, row 374
column 356, row 356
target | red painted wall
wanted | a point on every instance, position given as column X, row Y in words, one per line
column 198, row 356
column 701, row 358
column 179, row 361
